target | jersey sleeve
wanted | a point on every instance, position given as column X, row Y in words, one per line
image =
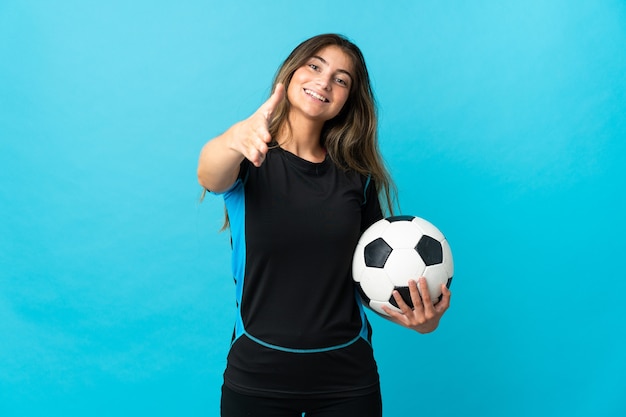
column 370, row 209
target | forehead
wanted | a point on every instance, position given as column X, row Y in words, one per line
column 335, row 57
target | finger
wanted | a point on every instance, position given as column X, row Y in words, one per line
column 415, row 294
column 256, row 157
column 425, row 292
column 402, row 305
column 396, row 317
column 429, row 308
column 443, row 305
column 445, row 291
column 267, row 109
column 258, row 150
column 261, row 133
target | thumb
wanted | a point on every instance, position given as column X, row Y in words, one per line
column 267, row 109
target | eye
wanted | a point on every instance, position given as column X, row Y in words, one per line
column 341, row 81
column 314, row 67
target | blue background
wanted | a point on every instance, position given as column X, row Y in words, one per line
column 503, row 123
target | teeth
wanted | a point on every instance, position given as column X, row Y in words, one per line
column 315, row 95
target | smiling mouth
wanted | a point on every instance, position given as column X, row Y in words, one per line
column 316, row 96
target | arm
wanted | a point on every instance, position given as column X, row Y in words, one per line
column 219, row 161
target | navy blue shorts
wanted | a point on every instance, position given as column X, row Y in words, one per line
column 235, row 404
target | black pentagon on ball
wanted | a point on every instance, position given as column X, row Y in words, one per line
column 376, row 253
column 406, row 296
column 430, row 250
column 404, row 218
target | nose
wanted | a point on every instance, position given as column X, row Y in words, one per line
column 324, row 82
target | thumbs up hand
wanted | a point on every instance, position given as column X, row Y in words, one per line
column 252, row 135
column 220, row 158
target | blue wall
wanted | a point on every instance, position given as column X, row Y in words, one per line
column 503, row 123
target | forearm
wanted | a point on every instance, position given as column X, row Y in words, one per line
column 218, row 165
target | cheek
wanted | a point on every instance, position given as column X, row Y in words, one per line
column 294, row 84
column 341, row 101
column 291, row 91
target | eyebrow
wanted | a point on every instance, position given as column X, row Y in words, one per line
column 343, row 71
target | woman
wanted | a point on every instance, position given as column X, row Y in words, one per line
column 301, row 179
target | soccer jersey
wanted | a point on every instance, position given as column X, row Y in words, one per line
column 300, row 327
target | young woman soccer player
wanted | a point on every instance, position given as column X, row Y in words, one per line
column 302, row 178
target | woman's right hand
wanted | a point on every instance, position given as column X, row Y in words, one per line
column 218, row 165
column 251, row 136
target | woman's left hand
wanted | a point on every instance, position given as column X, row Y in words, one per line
column 424, row 316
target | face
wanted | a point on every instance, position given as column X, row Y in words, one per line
column 320, row 88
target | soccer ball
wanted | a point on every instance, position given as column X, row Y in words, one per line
column 395, row 250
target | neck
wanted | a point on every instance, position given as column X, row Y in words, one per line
column 303, row 139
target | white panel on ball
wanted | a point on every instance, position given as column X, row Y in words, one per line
column 358, row 263
column 435, row 276
column 402, row 265
column 447, row 258
column 397, row 235
column 374, row 231
column 428, row 228
column 376, row 284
